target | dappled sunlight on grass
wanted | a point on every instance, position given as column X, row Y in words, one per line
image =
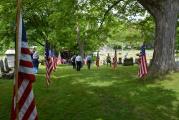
column 103, row 94
column 101, row 84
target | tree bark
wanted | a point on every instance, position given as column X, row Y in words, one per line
column 165, row 15
column 164, row 47
column 80, row 42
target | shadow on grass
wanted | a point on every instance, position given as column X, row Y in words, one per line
column 106, row 95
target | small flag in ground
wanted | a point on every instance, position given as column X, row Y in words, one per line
column 115, row 60
column 59, row 61
column 48, row 62
column 142, row 63
column 55, row 59
column 23, row 102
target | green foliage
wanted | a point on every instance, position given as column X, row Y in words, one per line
column 56, row 21
column 7, row 29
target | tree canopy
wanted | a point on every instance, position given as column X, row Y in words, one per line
column 85, row 25
column 57, row 20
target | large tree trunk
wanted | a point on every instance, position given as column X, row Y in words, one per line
column 164, row 47
column 165, row 15
column 80, row 42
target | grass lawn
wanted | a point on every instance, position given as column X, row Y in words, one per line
column 103, row 94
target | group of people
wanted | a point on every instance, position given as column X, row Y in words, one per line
column 78, row 62
column 113, row 62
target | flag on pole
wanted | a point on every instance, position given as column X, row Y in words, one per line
column 54, row 60
column 59, row 59
column 52, row 56
column 97, row 60
column 142, row 63
column 23, row 102
column 115, row 60
column 48, row 62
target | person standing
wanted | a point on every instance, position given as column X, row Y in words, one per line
column 78, row 61
column 73, row 61
column 89, row 60
column 108, row 60
column 35, row 60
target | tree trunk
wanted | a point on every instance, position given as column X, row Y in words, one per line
column 80, row 43
column 164, row 47
column 165, row 15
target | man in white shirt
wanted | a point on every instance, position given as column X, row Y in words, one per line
column 35, row 60
column 78, row 61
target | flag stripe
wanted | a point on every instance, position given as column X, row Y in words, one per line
column 26, row 63
column 26, row 70
column 25, row 51
column 33, row 115
column 25, row 95
column 23, row 86
column 26, row 76
column 26, row 57
column 29, row 110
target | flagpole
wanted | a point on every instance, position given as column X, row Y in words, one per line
column 18, row 8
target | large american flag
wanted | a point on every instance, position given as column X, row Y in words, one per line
column 23, row 102
column 49, row 62
column 142, row 63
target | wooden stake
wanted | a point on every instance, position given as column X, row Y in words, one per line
column 18, row 2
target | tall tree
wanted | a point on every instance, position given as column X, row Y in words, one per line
column 165, row 15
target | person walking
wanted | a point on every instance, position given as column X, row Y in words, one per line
column 89, row 60
column 78, row 61
column 108, row 60
column 35, row 60
column 73, row 61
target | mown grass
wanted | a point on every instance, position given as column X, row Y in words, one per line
column 103, row 94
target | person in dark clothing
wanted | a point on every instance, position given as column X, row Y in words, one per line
column 35, row 60
column 89, row 60
column 108, row 60
column 73, row 61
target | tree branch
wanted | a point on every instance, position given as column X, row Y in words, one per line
column 109, row 9
column 176, row 5
column 147, row 5
column 39, row 42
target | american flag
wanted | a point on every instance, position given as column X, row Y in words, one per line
column 54, row 55
column 59, row 59
column 48, row 62
column 142, row 63
column 97, row 59
column 115, row 60
column 23, row 102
